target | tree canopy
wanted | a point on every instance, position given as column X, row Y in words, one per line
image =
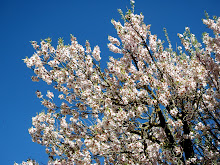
column 152, row 105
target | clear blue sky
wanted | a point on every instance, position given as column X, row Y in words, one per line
column 24, row 20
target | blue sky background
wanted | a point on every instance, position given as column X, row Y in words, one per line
column 24, row 20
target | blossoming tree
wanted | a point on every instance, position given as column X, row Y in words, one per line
column 153, row 105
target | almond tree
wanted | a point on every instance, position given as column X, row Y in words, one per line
column 153, row 105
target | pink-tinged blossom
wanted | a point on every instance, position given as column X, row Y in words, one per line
column 174, row 112
column 114, row 40
column 50, row 95
column 113, row 48
column 96, row 53
column 61, row 96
